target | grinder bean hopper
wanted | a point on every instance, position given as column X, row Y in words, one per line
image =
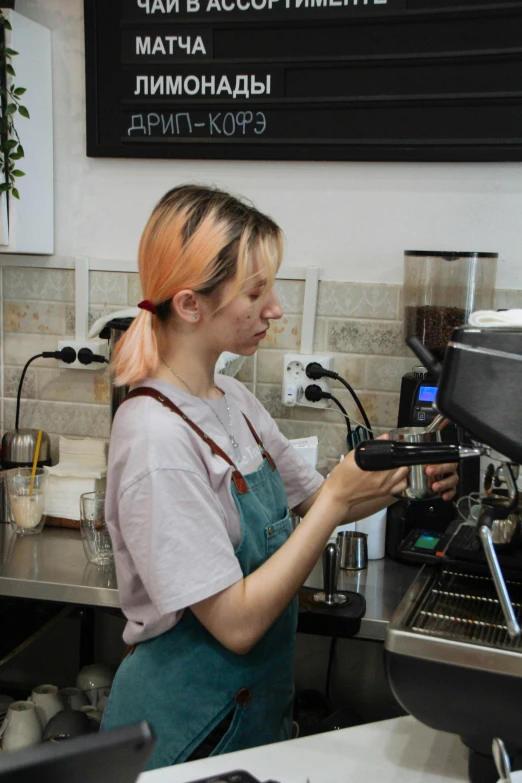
column 454, row 646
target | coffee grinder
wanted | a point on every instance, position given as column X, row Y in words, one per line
column 440, row 291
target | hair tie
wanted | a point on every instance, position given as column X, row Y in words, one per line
column 149, row 306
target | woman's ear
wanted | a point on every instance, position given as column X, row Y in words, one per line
column 185, row 305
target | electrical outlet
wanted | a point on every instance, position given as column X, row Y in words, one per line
column 295, row 379
column 96, row 346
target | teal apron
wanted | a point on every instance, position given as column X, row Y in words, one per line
column 184, row 682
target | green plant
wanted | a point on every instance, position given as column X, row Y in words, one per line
column 11, row 149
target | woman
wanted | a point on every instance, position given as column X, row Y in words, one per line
column 199, row 488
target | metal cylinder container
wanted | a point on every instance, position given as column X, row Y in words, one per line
column 418, row 483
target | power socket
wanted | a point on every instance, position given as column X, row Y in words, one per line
column 96, row 346
column 295, row 379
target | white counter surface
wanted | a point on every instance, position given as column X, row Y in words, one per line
column 392, row 751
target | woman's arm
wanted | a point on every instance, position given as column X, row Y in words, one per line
column 240, row 615
column 445, row 487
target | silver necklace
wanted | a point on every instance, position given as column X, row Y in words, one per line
column 233, row 441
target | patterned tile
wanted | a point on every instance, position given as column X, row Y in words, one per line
column 385, row 373
column 34, row 317
column 108, row 288
column 19, row 347
column 101, row 310
column 351, row 368
column 78, row 385
column 70, row 320
column 12, row 377
column 270, row 366
column 95, row 312
column 358, row 300
column 286, row 334
column 61, row 418
column 133, row 289
column 507, row 299
column 291, row 295
column 55, row 285
column 366, row 337
column 382, row 409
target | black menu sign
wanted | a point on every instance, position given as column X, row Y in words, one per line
column 304, row 79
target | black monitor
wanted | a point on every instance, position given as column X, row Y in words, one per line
column 115, row 756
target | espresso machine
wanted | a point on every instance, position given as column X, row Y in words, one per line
column 454, row 645
column 440, row 290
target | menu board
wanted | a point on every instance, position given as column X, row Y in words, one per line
column 383, row 80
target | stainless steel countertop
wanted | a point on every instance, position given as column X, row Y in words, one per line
column 383, row 584
column 51, row 566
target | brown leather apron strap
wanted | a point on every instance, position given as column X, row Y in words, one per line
column 146, row 391
column 259, row 442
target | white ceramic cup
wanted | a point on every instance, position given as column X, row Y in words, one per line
column 21, row 726
column 48, row 702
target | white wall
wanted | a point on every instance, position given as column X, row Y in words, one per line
column 353, row 220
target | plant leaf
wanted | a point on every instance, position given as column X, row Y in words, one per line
column 20, row 150
column 11, row 52
column 18, row 173
column 19, row 91
column 11, row 108
column 6, row 23
column 23, row 111
column 10, row 70
column 10, row 144
column 15, row 193
column 4, row 187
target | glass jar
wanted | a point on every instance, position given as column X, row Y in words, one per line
column 441, row 289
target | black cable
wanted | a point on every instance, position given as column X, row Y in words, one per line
column 67, row 355
column 346, row 418
column 315, row 371
column 20, row 384
column 359, row 405
column 333, row 645
column 314, row 393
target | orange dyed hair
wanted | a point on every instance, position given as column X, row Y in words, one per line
column 196, row 238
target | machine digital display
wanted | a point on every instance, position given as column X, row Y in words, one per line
column 426, row 541
column 427, row 393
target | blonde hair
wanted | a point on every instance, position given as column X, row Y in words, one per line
column 196, row 238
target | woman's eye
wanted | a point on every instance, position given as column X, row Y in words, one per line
column 255, row 295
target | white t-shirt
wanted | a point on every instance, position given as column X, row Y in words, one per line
column 169, row 507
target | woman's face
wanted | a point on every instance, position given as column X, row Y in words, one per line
column 241, row 324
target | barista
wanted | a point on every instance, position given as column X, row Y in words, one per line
column 200, row 483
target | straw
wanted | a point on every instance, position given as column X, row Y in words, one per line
column 35, row 460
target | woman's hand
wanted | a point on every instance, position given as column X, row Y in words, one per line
column 443, row 479
column 350, row 485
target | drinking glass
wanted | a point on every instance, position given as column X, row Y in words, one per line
column 95, row 534
column 27, row 499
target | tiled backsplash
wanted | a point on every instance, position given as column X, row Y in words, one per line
column 360, row 324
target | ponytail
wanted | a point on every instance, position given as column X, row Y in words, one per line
column 136, row 352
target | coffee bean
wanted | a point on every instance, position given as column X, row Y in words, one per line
column 433, row 325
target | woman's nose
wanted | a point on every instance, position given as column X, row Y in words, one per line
column 272, row 309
